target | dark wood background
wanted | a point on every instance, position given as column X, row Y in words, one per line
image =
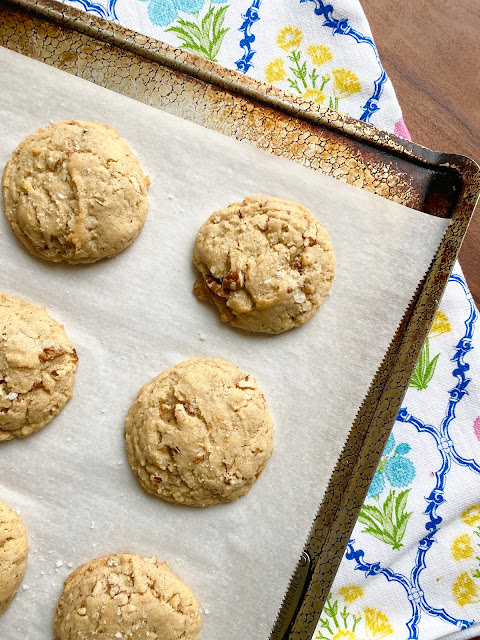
column 431, row 51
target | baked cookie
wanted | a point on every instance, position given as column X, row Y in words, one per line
column 266, row 263
column 37, row 368
column 126, row 596
column 13, row 555
column 75, row 192
column 199, row 433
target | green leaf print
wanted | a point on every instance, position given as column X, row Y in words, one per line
column 387, row 522
column 425, row 368
column 330, row 621
column 476, row 573
column 204, row 37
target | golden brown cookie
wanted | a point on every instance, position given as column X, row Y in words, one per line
column 13, row 555
column 267, row 264
column 126, row 597
column 199, row 433
column 37, row 368
column 75, row 192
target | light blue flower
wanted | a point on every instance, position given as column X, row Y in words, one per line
column 164, row 12
column 377, row 486
column 399, row 471
column 402, row 449
column 389, row 446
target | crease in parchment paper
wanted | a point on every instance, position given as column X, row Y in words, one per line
column 135, row 315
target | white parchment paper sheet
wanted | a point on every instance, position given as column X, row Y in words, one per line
column 135, row 315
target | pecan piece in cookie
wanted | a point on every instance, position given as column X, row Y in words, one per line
column 215, row 286
column 234, row 281
column 50, row 353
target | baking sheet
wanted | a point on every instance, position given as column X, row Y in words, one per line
column 135, row 315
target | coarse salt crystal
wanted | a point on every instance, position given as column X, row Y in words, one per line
column 12, row 395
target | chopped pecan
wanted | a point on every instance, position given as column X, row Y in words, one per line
column 298, row 265
column 233, row 281
column 49, row 353
column 215, row 286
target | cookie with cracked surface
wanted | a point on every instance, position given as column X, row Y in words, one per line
column 126, row 596
column 75, row 192
column 37, row 368
column 199, row 433
column 13, row 555
column 267, row 264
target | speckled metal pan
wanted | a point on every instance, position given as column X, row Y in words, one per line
column 347, row 149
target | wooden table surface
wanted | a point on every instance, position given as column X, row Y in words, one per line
column 430, row 51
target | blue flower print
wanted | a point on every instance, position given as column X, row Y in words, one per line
column 389, row 446
column 387, row 518
column 399, row 471
column 402, row 449
column 164, row 12
column 377, row 486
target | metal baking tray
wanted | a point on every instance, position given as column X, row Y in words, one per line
column 442, row 185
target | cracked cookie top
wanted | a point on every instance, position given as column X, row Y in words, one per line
column 199, row 433
column 123, row 597
column 37, row 368
column 13, row 555
column 266, row 263
column 75, row 192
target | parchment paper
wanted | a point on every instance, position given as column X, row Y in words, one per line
column 135, row 315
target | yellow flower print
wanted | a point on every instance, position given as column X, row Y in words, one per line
column 319, row 53
column 275, row 71
column 289, row 38
column 462, row 547
column 346, row 83
column 344, row 634
column 351, row 592
column 441, row 324
column 471, row 515
column 314, row 94
column 377, row 625
column 465, row 591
